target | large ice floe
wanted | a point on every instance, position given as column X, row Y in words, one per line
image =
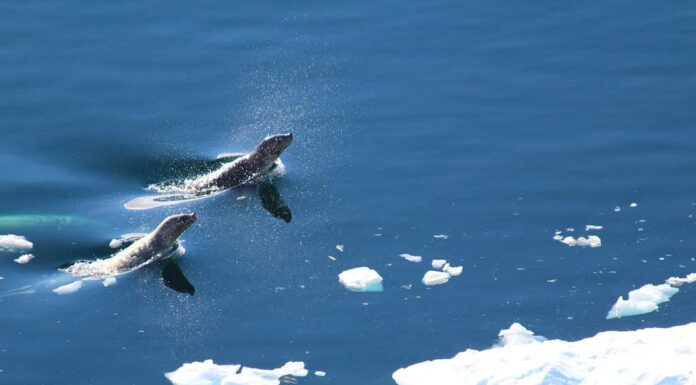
column 361, row 279
column 11, row 242
column 210, row 373
column 664, row 356
column 641, row 301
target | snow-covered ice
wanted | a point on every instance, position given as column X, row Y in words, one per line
column 411, row 258
column 11, row 242
column 641, row 357
column 453, row 271
column 24, row 259
column 339, row 248
column 109, row 281
column 69, row 288
column 115, row 243
column 591, row 241
column 439, row 263
column 593, row 227
column 320, row 373
column 209, row 373
column 641, row 301
column 433, row 277
column 361, row 279
column 678, row 281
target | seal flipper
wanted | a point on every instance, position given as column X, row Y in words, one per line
column 272, row 202
column 173, row 278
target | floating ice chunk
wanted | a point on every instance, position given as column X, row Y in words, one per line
column 24, row 259
column 69, row 288
column 433, row 277
column 558, row 237
column 453, row 271
column 209, row 373
column 617, row 209
column 678, row 281
column 641, row 357
column 441, row 236
column 241, row 197
column 641, row 301
column 109, row 281
column 439, row 263
column 115, row 243
column 633, row 204
column 591, row 241
column 412, row 258
column 593, row 227
column 11, row 242
column 518, row 335
column 361, row 279
column 320, row 373
column 339, row 248
column 331, row 257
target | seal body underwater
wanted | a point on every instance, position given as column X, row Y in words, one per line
column 244, row 169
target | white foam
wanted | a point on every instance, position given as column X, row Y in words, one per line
column 433, row 277
column 412, row 258
column 591, row 241
column 640, row 357
column 24, row 259
column 439, row 263
column 209, row 373
column 440, row 236
column 109, row 281
column 453, row 271
column 593, row 227
column 69, row 288
column 11, row 242
column 641, row 301
column 361, row 279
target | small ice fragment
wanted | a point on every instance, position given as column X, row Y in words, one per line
column 518, row 335
column 339, row 248
column 115, row 243
column 69, row 288
column 435, row 278
column 439, row 263
column 591, row 241
column 24, row 259
column 634, row 204
column 593, row 227
column 617, row 209
column 678, row 281
column 108, row 281
column 13, row 242
column 331, row 257
column 361, row 279
column 241, row 197
column 377, row 235
column 453, row 271
column 641, row 301
column 411, row 258
column 557, row 237
column 319, row 373
column 407, row 286
column 441, row 236
column 570, row 229
column 552, row 280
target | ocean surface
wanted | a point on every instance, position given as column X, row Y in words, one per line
column 494, row 123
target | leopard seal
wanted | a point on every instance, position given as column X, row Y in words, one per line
column 247, row 168
column 158, row 244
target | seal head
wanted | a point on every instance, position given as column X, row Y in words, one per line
column 173, row 226
column 272, row 146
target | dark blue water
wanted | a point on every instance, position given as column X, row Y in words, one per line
column 493, row 123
